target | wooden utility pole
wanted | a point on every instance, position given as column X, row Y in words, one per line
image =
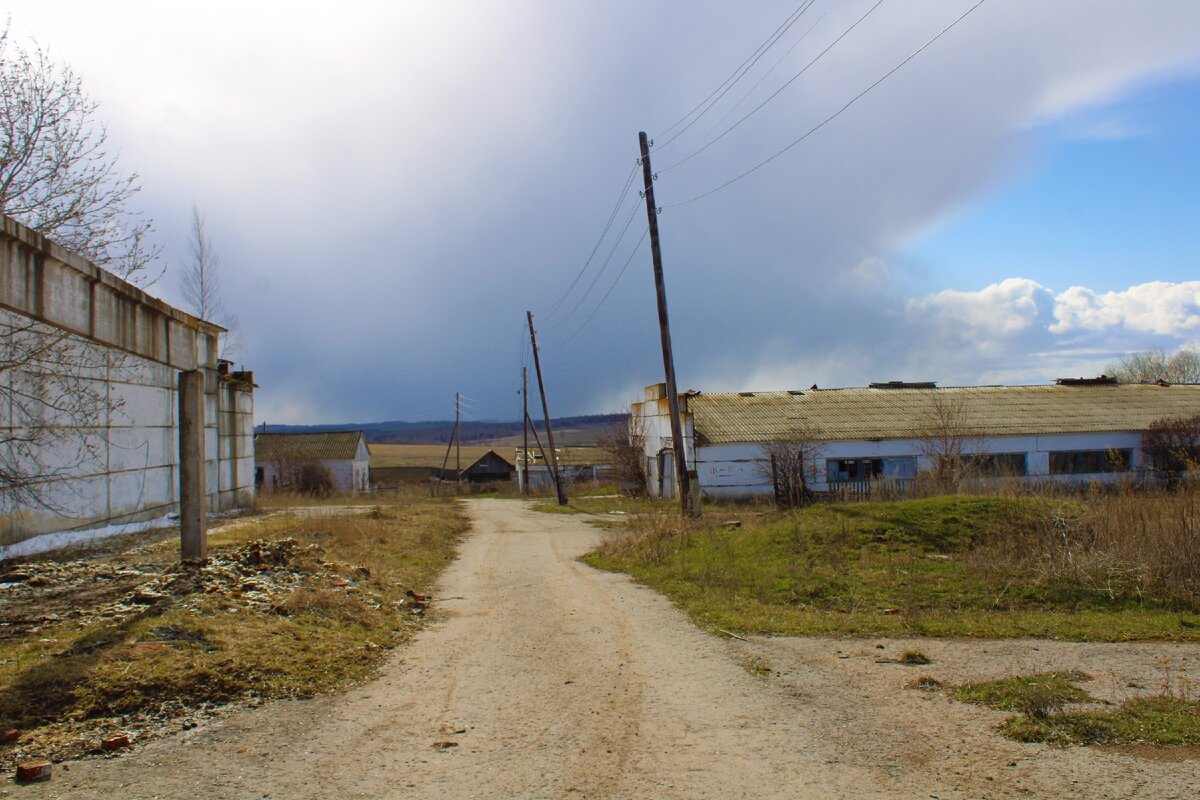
column 537, row 365
column 458, row 441
column 683, row 483
column 525, row 431
column 450, row 443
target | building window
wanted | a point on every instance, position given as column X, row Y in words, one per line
column 840, row 470
column 997, row 464
column 1088, row 462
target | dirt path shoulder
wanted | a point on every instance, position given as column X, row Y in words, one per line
column 547, row 679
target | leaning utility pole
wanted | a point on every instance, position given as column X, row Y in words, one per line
column 537, row 365
column 525, row 431
column 683, row 483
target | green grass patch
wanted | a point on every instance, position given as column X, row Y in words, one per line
column 1040, row 700
column 942, row 566
column 1033, row 695
column 1162, row 720
column 606, row 504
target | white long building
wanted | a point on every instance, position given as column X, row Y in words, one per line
column 1074, row 430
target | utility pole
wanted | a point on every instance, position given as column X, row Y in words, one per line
column 525, row 431
column 683, row 483
column 458, row 441
column 450, row 442
column 537, row 365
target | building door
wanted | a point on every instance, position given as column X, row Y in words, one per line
column 666, row 474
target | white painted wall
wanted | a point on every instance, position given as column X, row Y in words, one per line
column 349, row 475
column 733, row 470
column 134, row 475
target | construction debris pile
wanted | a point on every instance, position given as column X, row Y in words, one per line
column 257, row 575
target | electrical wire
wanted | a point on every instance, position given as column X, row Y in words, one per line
column 739, row 73
column 616, row 280
column 776, row 93
column 832, row 116
column 599, row 272
column 607, row 226
column 770, row 70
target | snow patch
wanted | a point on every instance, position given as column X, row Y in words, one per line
column 53, row 541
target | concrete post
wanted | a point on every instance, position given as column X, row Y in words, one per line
column 193, row 496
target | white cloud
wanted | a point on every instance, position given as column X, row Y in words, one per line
column 1002, row 309
column 1158, row 307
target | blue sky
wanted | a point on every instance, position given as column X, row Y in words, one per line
column 1105, row 197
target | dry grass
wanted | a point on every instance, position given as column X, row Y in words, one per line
column 341, row 606
column 1107, row 566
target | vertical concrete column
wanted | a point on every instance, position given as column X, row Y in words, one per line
column 193, row 496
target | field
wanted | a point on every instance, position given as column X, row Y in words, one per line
column 428, row 455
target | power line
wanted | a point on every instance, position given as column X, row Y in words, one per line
column 607, row 226
column 832, row 116
column 771, row 69
column 738, row 74
column 776, row 93
column 600, row 272
column 616, row 280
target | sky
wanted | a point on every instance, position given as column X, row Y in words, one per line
column 391, row 186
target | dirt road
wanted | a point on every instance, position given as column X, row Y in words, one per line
column 547, row 679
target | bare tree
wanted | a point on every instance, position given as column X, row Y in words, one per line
column 56, row 406
column 793, row 465
column 57, row 172
column 945, row 437
column 1172, row 446
column 59, row 177
column 201, row 283
column 625, row 445
column 1182, row 366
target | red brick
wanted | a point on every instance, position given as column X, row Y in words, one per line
column 115, row 742
column 29, row 771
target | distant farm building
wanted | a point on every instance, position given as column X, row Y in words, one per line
column 575, row 465
column 90, row 367
column 1073, row 431
column 491, row 467
column 285, row 460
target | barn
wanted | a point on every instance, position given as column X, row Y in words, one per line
column 1075, row 430
column 281, row 457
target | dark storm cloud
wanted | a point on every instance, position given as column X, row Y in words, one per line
column 393, row 185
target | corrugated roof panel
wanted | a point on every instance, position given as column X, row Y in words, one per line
column 325, row 446
column 906, row 413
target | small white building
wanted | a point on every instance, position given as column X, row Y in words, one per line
column 1072, row 431
column 279, row 457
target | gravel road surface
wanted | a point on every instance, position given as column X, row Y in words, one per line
column 543, row 678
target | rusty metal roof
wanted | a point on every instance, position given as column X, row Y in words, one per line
column 906, row 413
column 323, row 446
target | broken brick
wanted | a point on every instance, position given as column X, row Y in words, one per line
column 111, row 743
column 30, row 771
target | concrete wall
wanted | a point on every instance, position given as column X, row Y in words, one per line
column 121, row 463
